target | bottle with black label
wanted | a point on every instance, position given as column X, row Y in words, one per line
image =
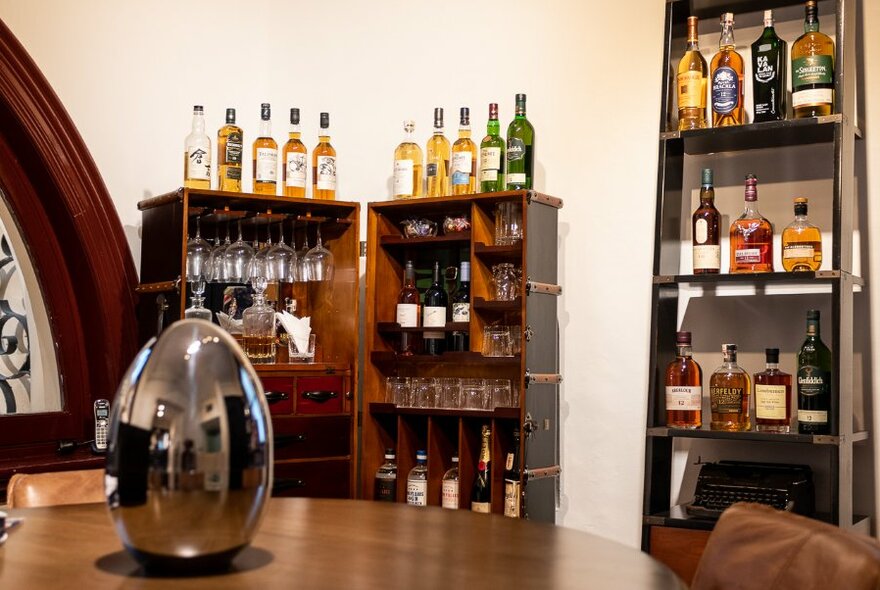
column 386, row 479
column 229, row 149
column 520, row 149
column 459, row 341
column 768, row 73
column 814, row 381
column 512, row 485
column 434, row 315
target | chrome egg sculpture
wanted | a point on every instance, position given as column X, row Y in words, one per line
column 189, row 464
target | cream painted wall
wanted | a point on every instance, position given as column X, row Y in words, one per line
column 130, row 72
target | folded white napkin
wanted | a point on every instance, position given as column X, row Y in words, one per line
column 297, row 328
column 229, row 324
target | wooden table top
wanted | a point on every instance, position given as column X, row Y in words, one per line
column 308, row 543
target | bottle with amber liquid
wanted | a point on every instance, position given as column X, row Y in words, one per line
column 751, row 236
column 437, row 159
column 727, row 79
column 706, row 223
column 230, row 145
column 801, row 241
column 324, row 164
column 812, row 69
column 729, row 390
column 684, row 387
column 295, row 159
column 408, row 165
column 693, row 75
column 464, row 158
column 408, row 310
column 772, row 396
column 265, row 155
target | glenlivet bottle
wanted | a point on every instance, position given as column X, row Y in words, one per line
column 197, row 153
column 417, row 481
column 801, row 241
column 706, row 231
column 324, row 164
column 459, row 340
column 492, row 155
column 437, row 159
column 408, row 309
column 812, row 69
column 434, row 316
column 520, row 149
column 512, row 485
column 691, row 82
column 481, row 495
column 684, row 387
column 814, row 381
column 729, row 390
column 464, row 158
column 450, row 487
column 751, row 236
column 230, row 147
column 295, row 158
column 386, row 479
column 769, row 73
column 727, row 79
column 772, row 396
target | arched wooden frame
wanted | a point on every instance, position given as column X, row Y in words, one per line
column 76, row 243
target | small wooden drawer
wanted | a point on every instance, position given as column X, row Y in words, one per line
column 319, row 395
column 305, row 438
column 316, row 479
column 279, row 394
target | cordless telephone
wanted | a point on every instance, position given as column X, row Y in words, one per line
column 102, row 421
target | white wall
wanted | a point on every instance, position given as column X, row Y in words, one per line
column 129, row 73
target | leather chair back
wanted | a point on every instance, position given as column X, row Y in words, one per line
column 28, row 490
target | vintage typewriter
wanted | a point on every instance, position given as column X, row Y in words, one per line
column 784, row 487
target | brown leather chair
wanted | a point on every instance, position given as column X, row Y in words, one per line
column 28, row 490
column 756, row 547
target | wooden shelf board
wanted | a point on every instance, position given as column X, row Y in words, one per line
column 386, row 408
column 465, row 358
column 326, row 368
column 394, row 328
column 481, row 304
column 492, row 253
column 393, row 241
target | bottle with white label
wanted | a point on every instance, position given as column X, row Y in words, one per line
column 408, row 165
column 408, row 310
column 265, row 155
column 417, row 481
column 294, row 160
column 772, row 396
column 459, row 340
column 492, row 155
column 197, row 153
column 324, row 164
column 434, row 314
column 464, row 158
column 706, row 230
column 684, row 387
column 450, row 493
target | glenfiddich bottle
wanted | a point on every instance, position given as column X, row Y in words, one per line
column 520, row 149
column 693, row 74
column 769, row 73
column 481, row 496
column 727, row 79
column 814, row 381
column 812, row 69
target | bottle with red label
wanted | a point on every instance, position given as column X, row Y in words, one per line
column 751, row 236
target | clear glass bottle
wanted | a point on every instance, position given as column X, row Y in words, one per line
column 727, row 79
column 464, row 158
column 258, row 324
column 324, row 164
column 229, row 152
column 265, row 155
column 408, row 165
column 450, row 487
column 492, row 155
column 812, row 69
column 386, row 479
column 437, row 156
column 751, row 236
column 772, row 396
column 197, row 153
column 295, row 158
column 417, row 481
column 684, row 387
column 801, row 241
column 729, row 390
column 692, row 78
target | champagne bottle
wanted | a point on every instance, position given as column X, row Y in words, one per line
column 481, row 496
column 436, row 302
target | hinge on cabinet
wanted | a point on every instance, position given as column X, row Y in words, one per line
column 363, row 249
column 555, row 378
column 542, row 472
column 545, row 288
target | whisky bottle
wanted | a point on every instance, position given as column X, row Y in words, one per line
column 684, row 387
column 437, row 155
column 324, row 164
column 812, row 69
column 265, row 155
column 295, row 158
column 408, row 309
column 450, row 487
column 751, row 236
column 492, row 155
column 481, row 495
column 706, row 231
column 729, row 391
column 814, row 381
column 197, row 153
column 769, row 73
column 693, row 73
column 512, row 485
column 772, row 396
column 386, row 479
column 727, row 79
column 408, row 165
column 417, row 481
column 801, row 241
column 459, row 340
column 464, row 158
column 230, row 147
column 436, row 302
column 520, row 149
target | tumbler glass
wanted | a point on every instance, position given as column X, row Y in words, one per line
column 448, row 391
column 396, row 390
column 496, row 341
column 508, row 223
column 422, row 392
column 499, row 392
column 472, row 393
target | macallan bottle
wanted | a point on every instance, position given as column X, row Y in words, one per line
column 772, row 396
column 729, row 390
column 812, row 69
column 408, row 165
column 437, row 156
column 706, row 231
column 801, row 241
column 492, row 155
column 197, row 153
column 751, row 236
column 814, row 381
column 230, row 146
column 693, row 74
column 727, row 79
column 324, row 164
column 684, row 387
column 265, row 155
column 464, row 158
column 408, row 309
column 769, row 73
column 295, row 158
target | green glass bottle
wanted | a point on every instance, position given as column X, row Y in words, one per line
column 814, row 381
column 520, row 149
column 492, row 155
column 768, row 73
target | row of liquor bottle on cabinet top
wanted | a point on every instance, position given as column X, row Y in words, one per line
column 385, row 489
column 730, row 389
column 751, row 235
column 453, row 169
column 812, row 75
column 265, row 156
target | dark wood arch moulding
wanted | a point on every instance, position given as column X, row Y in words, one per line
column 77, row 246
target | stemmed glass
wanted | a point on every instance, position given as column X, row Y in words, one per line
column 279, row 257
column 303, row 273
column 238, row 258
column 294, row 259
column 198, row 250
column 261, row 256
column 319, row 261
column 218, row 259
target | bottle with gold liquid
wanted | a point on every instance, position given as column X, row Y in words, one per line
column 324, row 164
column 801, row 241
column 408, row 165
column 229, row 152
column 729, row 391
column 265, row 155
column 727, row 79
column 197, row 153
column 693, row 73
column 295, row 160
column 437, row 155
column 812, row 69
column 751, row 236
column 464, row 158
